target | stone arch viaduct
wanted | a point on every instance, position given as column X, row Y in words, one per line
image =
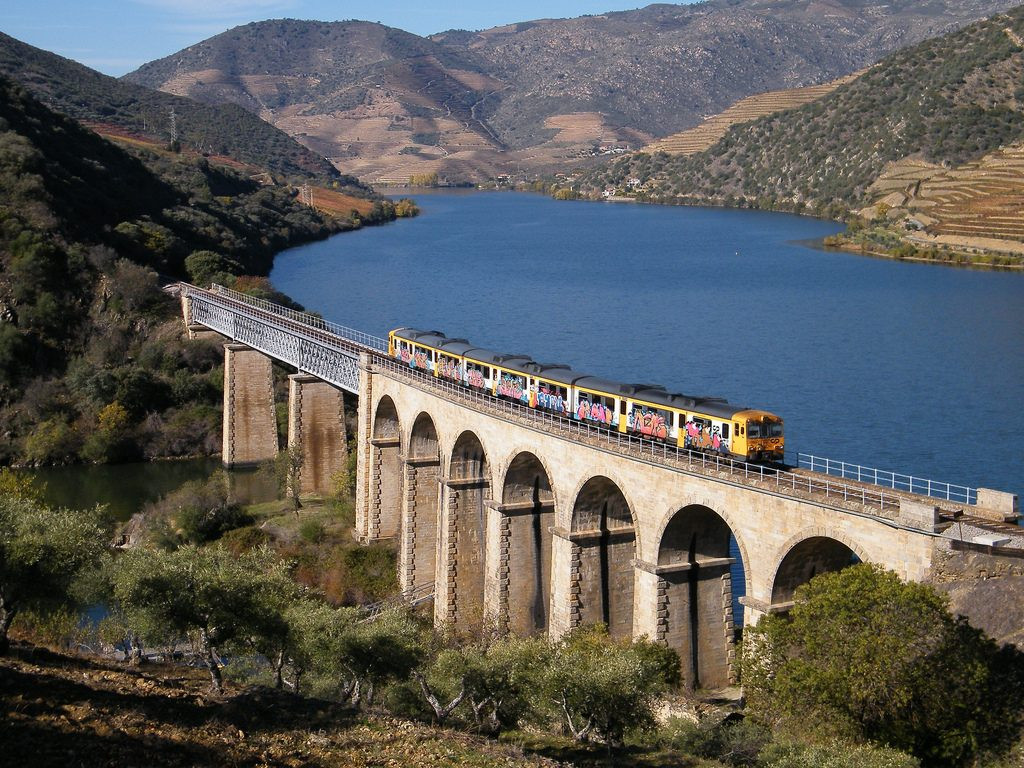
column 521, row 521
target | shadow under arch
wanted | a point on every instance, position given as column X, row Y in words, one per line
column 386, row 487
column 603, row 534
column 695, row 592
column 463, row 536
column 524, row 571
column 806, row 559
column 420, row 530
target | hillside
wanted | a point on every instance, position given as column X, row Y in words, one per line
column 106, row 102
column 161, row 715
column 942, row 104
column 92, row 365
column 540, row 95
column 709, row 132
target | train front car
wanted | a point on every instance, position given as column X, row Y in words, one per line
column 760, row 437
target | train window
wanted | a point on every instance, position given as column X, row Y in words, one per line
column 754, row 429
column 774, row 429
column 622, row 407
column 725, row 431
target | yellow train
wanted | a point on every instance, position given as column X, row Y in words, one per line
column 699, row 423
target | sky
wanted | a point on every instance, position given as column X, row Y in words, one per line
column 117, row 36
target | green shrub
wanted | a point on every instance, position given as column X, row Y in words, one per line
column 833, row 755
column 733, row 742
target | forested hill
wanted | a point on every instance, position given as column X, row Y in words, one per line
column 947, row 101
column 224, row 129
column 91, row 362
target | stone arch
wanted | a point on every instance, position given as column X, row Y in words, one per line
column 603, row 535
column 695, row 594
column 386, row 477
column 806, row 556
column 524, row 559
column 459, row 594
column 422, row 505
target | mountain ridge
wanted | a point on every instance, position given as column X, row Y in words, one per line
column 536, row 95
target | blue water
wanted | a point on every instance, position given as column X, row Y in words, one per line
column 914, row 368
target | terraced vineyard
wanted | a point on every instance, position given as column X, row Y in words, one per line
column 708, row 133
column 978, row 204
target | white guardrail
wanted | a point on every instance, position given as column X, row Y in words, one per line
column 924, row 487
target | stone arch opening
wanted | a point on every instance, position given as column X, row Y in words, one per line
column 386, row 480
column 804, row 561
column 695, row 595
column 524, row 568
column 603, row 539
column 422, row 503
column 463, row 541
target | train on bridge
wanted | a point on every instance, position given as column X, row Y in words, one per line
column 698, row 423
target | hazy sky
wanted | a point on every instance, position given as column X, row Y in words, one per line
column 117, row 36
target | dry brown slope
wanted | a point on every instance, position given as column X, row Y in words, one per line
column 709, row 132
column 975, row 205
column 59, row 711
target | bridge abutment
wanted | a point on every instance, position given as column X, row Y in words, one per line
column 316, row 427
column 250, row 421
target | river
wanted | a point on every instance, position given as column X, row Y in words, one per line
column 909, row 367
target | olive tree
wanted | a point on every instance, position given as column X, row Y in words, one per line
column 602, row 688
column 496, row 678
column 351, row 653
column 863, row 655
column 44, row 554
column 222, row 600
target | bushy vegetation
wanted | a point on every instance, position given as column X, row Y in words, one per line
column 92, row 366
column 45, row 555
column 866, row 672
column 950, row 100
column 865, row 657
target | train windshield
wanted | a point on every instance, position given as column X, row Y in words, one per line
column 757, row 429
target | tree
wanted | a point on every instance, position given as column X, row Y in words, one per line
column 44, row 554
column 497, row 678
column 223, row 601
column 864, row 656
column 355, row 654
column 604, row 688
column 206, row 267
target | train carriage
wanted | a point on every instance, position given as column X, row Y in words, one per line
column 647, row 410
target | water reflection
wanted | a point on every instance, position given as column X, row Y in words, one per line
column 126, row 488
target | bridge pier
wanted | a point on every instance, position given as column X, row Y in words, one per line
column 316, row 426
column 417, row 554
column 250, row 421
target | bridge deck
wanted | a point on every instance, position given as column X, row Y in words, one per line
column 332, row 352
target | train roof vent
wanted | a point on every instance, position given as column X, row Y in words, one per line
column 703, row 399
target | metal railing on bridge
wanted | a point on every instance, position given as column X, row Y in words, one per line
column 921, row 486
column 305, row 318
